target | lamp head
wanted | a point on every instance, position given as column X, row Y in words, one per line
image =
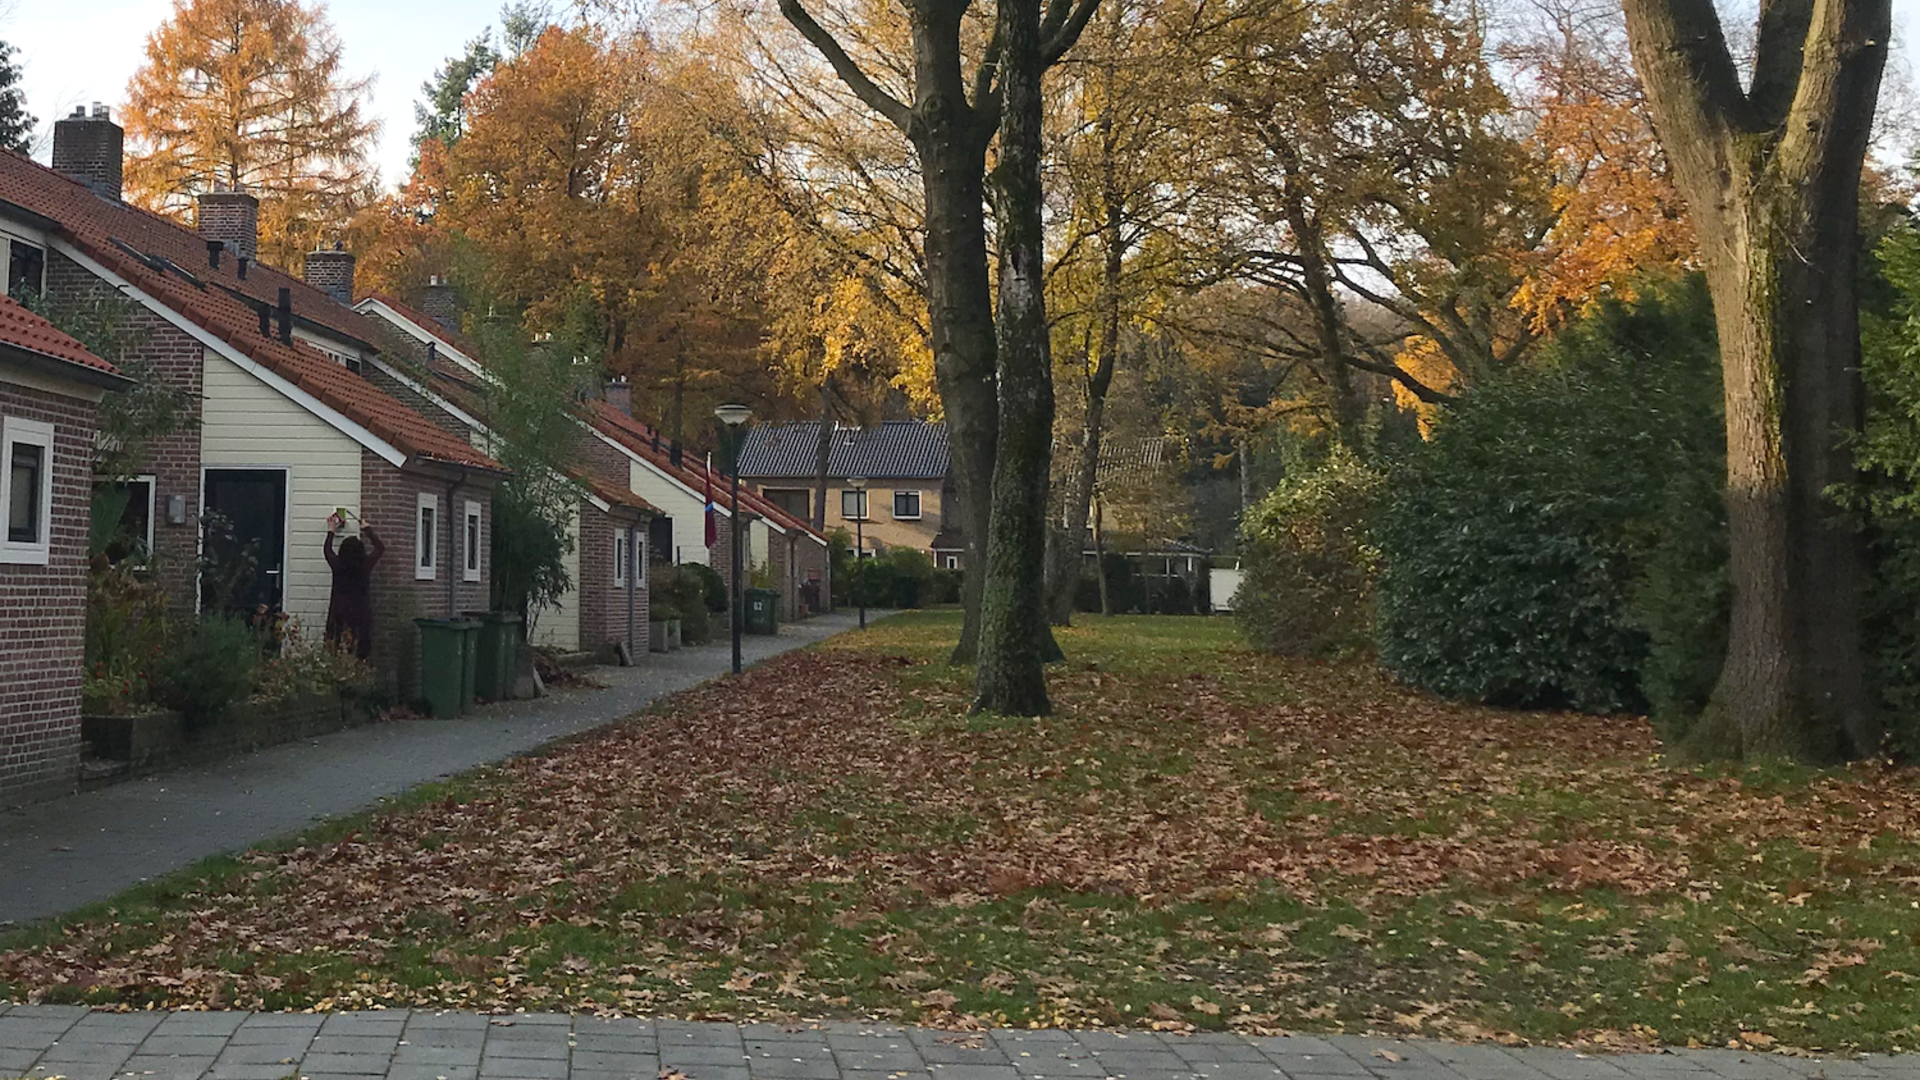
column 857, row 483
column 733, row 414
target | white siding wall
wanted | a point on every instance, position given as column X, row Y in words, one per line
column 758, row 537
column 559, row 627
column 689, row 512
column 247, row 423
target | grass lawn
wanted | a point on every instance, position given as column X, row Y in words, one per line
column 1200, row 836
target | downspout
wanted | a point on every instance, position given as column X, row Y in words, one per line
column 633, row 579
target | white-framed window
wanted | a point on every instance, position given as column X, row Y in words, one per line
column 906, row 505
column 620, row 560
column 950, row 562
column 470, row 542
column 426, row 536
column 26, row 490
column 853, row 505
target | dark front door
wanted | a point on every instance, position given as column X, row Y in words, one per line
column 244, row 542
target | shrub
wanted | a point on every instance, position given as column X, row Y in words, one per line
column 945, row 587
column 1888, row 453
column 301, row 669
column 1309, row 562
column 125, row 642
column 1547, row 545
column 712, row 590
column 683, row 592
column 212, row 667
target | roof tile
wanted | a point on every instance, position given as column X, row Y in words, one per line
column 27, row 331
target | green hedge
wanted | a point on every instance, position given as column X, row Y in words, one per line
column 1553, row 542
column 1310, row 562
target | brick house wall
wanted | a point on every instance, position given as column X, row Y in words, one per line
column 43, row 613
column 814, row 564
column 164, row 352
column 603, row 605
column 389, row 500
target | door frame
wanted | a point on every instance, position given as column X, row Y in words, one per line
column 286, row 525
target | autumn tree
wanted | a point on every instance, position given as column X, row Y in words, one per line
column 1121, row 185
column 16, row 124
column 251, row 94
column 1771, row 169
column 950, row 118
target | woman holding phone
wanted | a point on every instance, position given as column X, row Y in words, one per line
column 350, row 610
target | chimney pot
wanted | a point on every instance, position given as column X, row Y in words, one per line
column 89, row 149
column 620, row 394
column 438, row 303
column 286, row 315
column 331, row 272
column 232, row 217
column 213, row 253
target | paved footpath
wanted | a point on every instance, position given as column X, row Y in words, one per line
column 68, row 1041
column 65, row 852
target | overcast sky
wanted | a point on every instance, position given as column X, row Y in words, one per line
column 76, row 52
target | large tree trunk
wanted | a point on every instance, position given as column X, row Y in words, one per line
column 1772, row 176
column 1011, row 677
column 960, row 298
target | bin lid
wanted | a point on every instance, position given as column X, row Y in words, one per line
column 448, row 624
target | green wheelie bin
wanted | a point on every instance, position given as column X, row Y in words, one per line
column 447, row 664
column 497, row 657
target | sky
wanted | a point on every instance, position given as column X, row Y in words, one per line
column 76, row 52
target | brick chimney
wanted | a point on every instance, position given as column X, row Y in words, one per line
column 88, row 148
column 620, row 394
column 232, row 217
column 437, row 302
column 331, row 272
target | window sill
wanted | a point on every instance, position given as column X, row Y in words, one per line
column 25, row 555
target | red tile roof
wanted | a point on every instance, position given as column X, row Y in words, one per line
column 611, row 493
column 100, row 227
column 431, row 325
column 638, row 438
column 26, row 331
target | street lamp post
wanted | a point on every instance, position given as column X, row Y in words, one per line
column 734, row 416
column 859, row 484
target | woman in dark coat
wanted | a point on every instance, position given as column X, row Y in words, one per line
column 350, row 611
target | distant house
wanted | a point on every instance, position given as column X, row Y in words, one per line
column 291, row 424
column 446, row 380
column 680, row 484
column 909, row 499
column 50, row 387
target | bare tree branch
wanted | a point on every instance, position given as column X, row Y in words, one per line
column 863, row 87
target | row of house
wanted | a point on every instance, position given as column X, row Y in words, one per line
column 304, row 402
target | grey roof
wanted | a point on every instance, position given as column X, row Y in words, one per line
column 895, row 450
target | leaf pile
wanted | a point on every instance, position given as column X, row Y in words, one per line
column 1201, row 837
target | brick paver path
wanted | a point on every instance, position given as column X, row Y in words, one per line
column 69, row 1041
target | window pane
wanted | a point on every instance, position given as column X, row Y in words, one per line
column 906, row 504
column 26, row 266
column 473, row 542
column 28, row 465
column 426, row 536
column 853, row 504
